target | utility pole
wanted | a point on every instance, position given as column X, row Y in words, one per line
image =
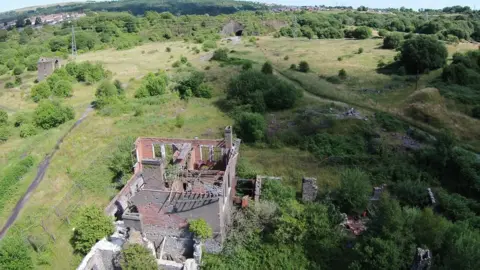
column 74, row 43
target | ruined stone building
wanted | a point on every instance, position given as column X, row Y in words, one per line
column 46, row 66
column 177, row 180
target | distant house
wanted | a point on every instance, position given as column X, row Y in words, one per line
column 47, row 66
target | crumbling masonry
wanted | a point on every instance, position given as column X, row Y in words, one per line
column 177, row 180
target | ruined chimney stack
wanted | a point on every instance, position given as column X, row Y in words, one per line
column 309, row 189
column 228, row 137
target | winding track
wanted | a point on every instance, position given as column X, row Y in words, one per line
column 42, row 168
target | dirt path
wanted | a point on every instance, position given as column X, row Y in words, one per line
column 42, row 168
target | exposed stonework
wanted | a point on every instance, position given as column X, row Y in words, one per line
column 46, row 66
column 422, row 260
column 177, row 180
column 309, row 189
column 232, row 28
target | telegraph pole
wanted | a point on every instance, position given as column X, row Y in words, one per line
column 74, row 43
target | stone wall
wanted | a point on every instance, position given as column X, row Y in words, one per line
column 309, row 189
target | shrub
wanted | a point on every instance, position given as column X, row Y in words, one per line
column 15, row 254
column 3, row 70
column 354, row 193
column 247, row 66
column 200, row 228
column 28, row 130
column 50, row 114
column 476, row 112
column 176, row 64
column 423, row 53
column 286, row 58
column 86, row 72
column 18, row 81
column 267, row 68
column 220, row 54
column 342, row 73
column 168, row 49
column 209, row 45
column 304, row 67
column 293, row 67
column 204, row 91
column 392, row 41
column 41, row 91
column 63, row 89
column 154, row 84
column 137, row 257
column 179, row 121
column 3, row 117
column 362, row 32
column 250, row 127
column 9, row 85
column 18, row 70
column 330, row 33
column 281, row 97
column 183, row 59
column 91, row 226
column 20, row 119
column 4, row 133
column 383, row 32
column 360, row 50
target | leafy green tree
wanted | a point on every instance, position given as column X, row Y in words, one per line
column 267, row 68
column 106, row 94
column 430, row 229
column 283, row 96
column 307, row 32
column 121, row 160
column 20, row 23
column 18, row 70
column 92, row 225
column 3, row 70
column 3, row 35
column 461, row 249
column 194, row 84
column 14, row 254
column 28, row 22
column 50, row 114
column 38, row 21
column 423, row 53
column 41, row 91
column 200, row 228
column 137, row 257
column 3, row 117
column 250, row 127
column 85, row 40
column 58, row 44
column 392, row 41
column 354, row 192
column 378, row 253
column 220, row 54
column 330, row 33
column 278, row 192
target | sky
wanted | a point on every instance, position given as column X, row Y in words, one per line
column 6, row 5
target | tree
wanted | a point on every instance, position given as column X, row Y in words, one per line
column 304, row 67
column 28, row 22
column 282, row 96
column 18, row 70
column 63, row 88
column 137, row 257
column 423, row 53
column 38, row 21
column 392, row 41
column 28, row 130
column 267, row 68
column 200, row 228
column 41, row 91
column 20, row 23
column 14, row 254
column 354, row 192
column 250, row 127
column 92, row 225
column 3, row 117
column 50, row 114
column 378, row 253
column 220, row 54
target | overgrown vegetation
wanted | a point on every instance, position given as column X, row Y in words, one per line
column 92, row 225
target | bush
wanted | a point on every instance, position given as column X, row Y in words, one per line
column 50, row 114
column 267, row 68
column 168, row 49
column 330, row 33
column 137, row 257
column 3, row 117
column 18, row 81
column 86, row 72
column 383, row 32
column 304, row 67
column 9, row 85
column 91, row 226
column 476, row 112
column 354, row 193
column 20, row 119
column 342, row 73
column 247, row 66
column 220, row 54
column 176, row 64
column 281, row 97
column 15, row 254
column 204, row 91
column 179, row 121
column 200, row 228
column 154, row 84
column 41, row 91
column 63, row 89
column 360, row 50
column 192, row 84
column 362, row 32
column 392, row 41
column 209, row 45
column 3, row 70
column 183, row 59
column 18, row 70
column 293, row 67
column 423, row 53
column 250, row 127
column 28, row 130
column 286, row 58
